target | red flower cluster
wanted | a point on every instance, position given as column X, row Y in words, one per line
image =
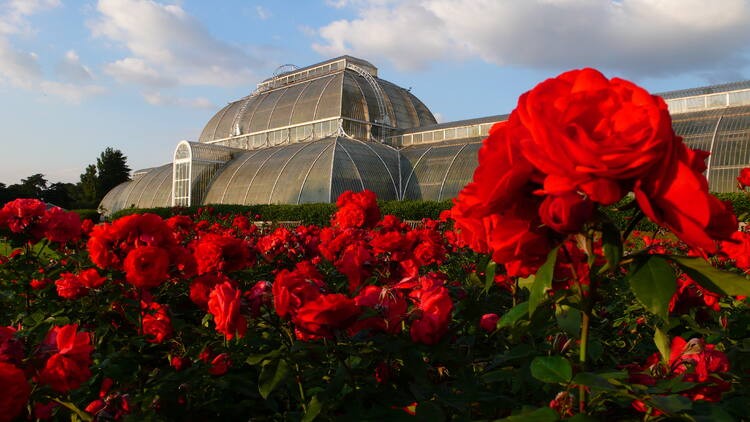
column 743, row 180
column 70, row 358
column 387, row 253
column 143, row 246
column 155, row 322
column 574, row 142
column 32, row 218
column 73, row 286
column 691, row 361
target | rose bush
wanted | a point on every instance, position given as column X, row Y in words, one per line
column 525, row 303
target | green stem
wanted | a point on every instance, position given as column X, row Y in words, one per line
column 301, row 389
column 582, row 358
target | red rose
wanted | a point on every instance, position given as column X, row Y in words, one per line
column 743, row 180
column 180, row 362
column 390, row 306
column 676, row 195
column 146, row 267
column 355, row 262
column 157, row 326
column 592, row 134
column 220, row 365
column 738, row 249
column 201, row 287
column 566, row 212
column 435, row 306
column 291, row 289
column 61, row 226
column 69, row 286
column 488, row 322
column 16, row 392
column 224, row 305
column 356, row 210
column 326, row 313
column 91, row 278
column 220, row 253
column 68, row 367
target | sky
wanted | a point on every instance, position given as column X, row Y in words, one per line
column 78, row 76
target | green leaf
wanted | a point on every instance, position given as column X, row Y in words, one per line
column 663, row 344
column 489, row 276
column 271, row 375
column 514, row 315
column 612, row 245
column 569, row 319
column 76, row 411
column 652, row 281
column 551, row 369
column 671, row 404
column 594, row 381
column 542, row 281
column 715, row 280
column 543, row 414
column 313, row 409
column 260, row 357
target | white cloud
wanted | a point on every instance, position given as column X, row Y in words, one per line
column 68, row 92
column 70, row 69
column 157, row 98
column 17, row 67
column 13, row 14
column 638, row 37
column 22, row 69
column 134, row 70
column 167, row 46
column 263, row 13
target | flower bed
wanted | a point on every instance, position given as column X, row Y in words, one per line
column 525, row 300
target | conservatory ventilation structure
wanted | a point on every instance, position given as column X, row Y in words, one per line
column 308, row 134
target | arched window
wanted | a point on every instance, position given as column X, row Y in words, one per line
column 182, row 175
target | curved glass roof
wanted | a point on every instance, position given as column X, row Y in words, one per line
column 725, row 133
column 437, row 171
column 150, row 188
column 342, row 94
column 317, row 171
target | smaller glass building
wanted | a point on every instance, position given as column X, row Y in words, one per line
column 308, row 134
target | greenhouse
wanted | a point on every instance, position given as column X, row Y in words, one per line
column 307, row 134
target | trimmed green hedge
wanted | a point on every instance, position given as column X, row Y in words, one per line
column 320, row 214
column 90, row 214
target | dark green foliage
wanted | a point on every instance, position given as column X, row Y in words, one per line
column 319, row 214
column 90, row 214
column 112, row 169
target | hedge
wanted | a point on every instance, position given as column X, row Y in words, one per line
column 320, row 214
column 90, row 214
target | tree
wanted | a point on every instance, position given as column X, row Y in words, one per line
column 33, row 186
column 87, row 190
column 112, row 170
column 60, row 194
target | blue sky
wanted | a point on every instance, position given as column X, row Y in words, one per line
column 77, row 76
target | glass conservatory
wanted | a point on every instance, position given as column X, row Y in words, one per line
column 308, row 134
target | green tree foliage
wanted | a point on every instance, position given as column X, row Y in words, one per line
column 112, row 170
column 87, row 189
